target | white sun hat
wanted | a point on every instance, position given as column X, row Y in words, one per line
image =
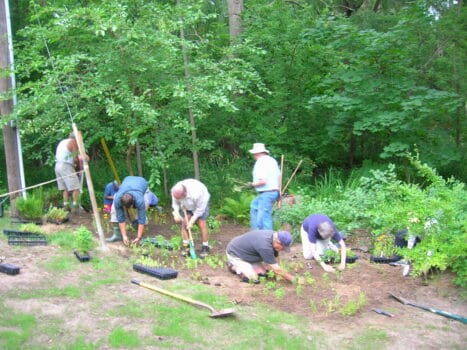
column 258, row 148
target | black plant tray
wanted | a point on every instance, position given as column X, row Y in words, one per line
column 26, row 238
column 83, row 257
column 9, row 269
column 163, row 273
column 348, row 260
column 384, row 260
column 166, row 244
column 9, row 232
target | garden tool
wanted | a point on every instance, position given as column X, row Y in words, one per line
column 382, row 312
column 214, row 313
column 192, row 245
column 427, row 308
column 117, row 236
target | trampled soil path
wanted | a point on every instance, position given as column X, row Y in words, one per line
column 323, row 299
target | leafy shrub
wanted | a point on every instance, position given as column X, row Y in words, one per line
column 31, row 207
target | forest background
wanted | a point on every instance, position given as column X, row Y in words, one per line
column 184, row 88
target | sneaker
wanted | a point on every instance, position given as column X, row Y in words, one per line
column 204, row 252
column 185, row 250
column 247, row 280
column 401, row 262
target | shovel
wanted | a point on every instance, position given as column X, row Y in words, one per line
column 214, row 313
column 192, row 245
column 427, row 308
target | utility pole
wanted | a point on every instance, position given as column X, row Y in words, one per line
column 11, row 138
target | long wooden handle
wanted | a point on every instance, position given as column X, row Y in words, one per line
column 293, row 174
column 173, row 295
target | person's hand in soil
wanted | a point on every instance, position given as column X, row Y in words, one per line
column 327, row 268
column 125, row 240
column 137, row 240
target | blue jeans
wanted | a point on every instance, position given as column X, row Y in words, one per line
column 261, row 210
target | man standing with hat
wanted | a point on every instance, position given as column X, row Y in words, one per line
column 266, row 180
column 316, row 232
column 254, row 253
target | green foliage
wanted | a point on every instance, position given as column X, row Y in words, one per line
column 31, row 207
column 353, row 306
column 84, row 241
column 31, row 227
column 384, row 246
column 57, row 214
column 238, row 208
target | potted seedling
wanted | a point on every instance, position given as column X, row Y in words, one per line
column 30, row 208
column 331, row 257
column 57, row 215
column 83, row 243
column 384, row 249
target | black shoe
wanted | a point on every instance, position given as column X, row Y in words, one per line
column 204, row 252
column 231, row 268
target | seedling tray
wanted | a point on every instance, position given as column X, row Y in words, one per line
column 26, row 239
column 9, row 269
column 82, row 257
column 384, row 260
column 157, row 243
column 163, row 273
column 348, row 260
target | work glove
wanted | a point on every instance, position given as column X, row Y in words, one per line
column 177, row 217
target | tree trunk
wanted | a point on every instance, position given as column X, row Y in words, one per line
column 10, row 135
column 235, row 13
column 194, row 138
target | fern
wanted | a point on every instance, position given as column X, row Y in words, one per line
column 238, row 208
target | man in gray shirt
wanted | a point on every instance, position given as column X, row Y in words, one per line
column 257, row 251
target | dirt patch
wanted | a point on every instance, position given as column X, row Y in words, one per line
column 325, row 298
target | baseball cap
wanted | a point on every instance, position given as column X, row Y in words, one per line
column 286, row 239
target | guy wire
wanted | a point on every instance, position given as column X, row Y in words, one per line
column 53, row 65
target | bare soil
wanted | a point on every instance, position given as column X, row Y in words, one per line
column 321, row 301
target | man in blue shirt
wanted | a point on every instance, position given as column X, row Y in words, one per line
column 131, row 194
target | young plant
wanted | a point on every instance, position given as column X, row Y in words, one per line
column 32, row 228
column 83, row 240
column 57, row 214
column 384, row 246
column 31, row 208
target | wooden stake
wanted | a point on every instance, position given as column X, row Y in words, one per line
column 92, row 196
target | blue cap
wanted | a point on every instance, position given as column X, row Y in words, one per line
column 286, row 239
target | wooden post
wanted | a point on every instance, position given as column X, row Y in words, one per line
column 92, row 196
column 279, row 201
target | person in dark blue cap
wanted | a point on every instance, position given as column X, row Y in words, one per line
column 254, row 253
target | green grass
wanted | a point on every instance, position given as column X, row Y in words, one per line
column 121, row 338
column 15, row 328
column 368, row 339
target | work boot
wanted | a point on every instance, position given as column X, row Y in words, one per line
column 117, row 236
column 204, row 252
column 185, row 249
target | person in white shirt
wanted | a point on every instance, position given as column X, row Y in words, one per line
column 192, row 196
column 266, row 180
